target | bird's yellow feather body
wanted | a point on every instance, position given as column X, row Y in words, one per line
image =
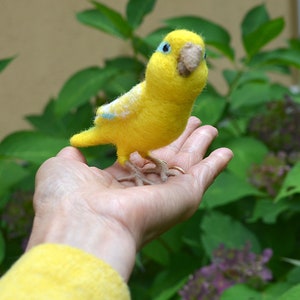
column 154, row 112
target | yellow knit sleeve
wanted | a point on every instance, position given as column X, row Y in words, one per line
column 60, row 272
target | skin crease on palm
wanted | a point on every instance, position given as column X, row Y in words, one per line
column 87, row 208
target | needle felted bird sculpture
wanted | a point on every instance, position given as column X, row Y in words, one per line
column 154, row 112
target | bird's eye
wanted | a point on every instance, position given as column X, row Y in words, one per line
column 164, row 47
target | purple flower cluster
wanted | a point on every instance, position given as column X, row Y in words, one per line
column 279, row 128
column 269, row 175
column 229, row 267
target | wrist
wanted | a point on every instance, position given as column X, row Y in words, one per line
column 108, row 242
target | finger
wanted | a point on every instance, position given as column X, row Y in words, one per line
column 209, row 168
column 71, row 153
column 195, row 147
column 200, row 140
column 186, row 191
column 67, row 153
column 106, row 177
column 192, row 124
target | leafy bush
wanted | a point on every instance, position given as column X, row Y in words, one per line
column 254, row 202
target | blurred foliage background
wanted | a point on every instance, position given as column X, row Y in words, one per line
column 243, row 242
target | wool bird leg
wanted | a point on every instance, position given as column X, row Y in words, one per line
column 161, row 168
column 136, row 175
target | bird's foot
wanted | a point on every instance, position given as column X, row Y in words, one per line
column 161, row 168
column 139, row 176
column 136, row 175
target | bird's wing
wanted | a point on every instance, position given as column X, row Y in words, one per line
column 123, row 106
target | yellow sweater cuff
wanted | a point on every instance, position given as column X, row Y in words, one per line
column 60, row 272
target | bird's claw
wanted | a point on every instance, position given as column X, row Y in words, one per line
column 161, row 169
column 138, row 179
column 136, row 176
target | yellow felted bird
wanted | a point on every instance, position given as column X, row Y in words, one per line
column 154, row 112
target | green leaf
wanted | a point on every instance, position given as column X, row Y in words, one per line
column 245, row 155
column 294, row 262
column 273, row 291
column 163, row 282
column 219, row 229
column 279, row 91
column 81, row 87
column 236, row 79
column 258, row 29
column 214, row 34
column 47, row 122
column 294, row 44
column 250, row 94
column 256, row 17
column 231, row 129
column 230, row 76
column 156, row 36
column 125, row 64
column 209, row 107
column 191, row 234
column 257, row 39
column 140, row 46
column 106, row 20
column 291, row 294
column 249, row 98
column 10, row 173
column 5, row 62
column 101, row 156
column 157, row 252
column 291, row 183
column 227, row 188
column 120, row 84
column 284, row 57
column 127, row 74
column 31, row 146
column 173, row 238
column 240, row 291
column 170, row 292
column 293, row 276
column 2, row 247
column 136, row 10
column 268, row 211
column 252, row 76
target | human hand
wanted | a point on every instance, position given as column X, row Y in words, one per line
column 88, row 208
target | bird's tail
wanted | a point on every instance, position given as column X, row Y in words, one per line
column 90, row 137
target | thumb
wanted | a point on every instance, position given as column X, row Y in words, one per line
column 209, row 168
column 71, row 153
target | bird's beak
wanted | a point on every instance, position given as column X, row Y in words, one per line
column 189, row 59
